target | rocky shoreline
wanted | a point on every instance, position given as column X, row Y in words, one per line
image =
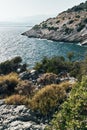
column 69, row 26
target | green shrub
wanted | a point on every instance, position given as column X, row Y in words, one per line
column 44, row 25
column 81, row 7
column 71, row 21
column 58, row 21
column 11, row 65
column 36, row 27
column 76, row 69
column 77, row 16
column 59, row 64
column 73, row 115
column 68, row 30
column 80, row 27
column 53, row 28
column 54, row 65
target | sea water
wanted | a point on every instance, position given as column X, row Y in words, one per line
column 32, row 50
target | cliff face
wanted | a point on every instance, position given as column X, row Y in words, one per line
column 70, row 26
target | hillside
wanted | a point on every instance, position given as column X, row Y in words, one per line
column 68, row 26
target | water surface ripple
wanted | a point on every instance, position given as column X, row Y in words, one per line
column 12, row 44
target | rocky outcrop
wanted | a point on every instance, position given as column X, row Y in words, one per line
column 69, row 26
column 14, row 117
column 47, row 79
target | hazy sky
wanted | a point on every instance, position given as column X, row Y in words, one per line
column 10, row 9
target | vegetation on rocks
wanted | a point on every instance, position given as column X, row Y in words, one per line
column 48, row 91
column 8, row 83
column 17, row 100
column 47, row 79
column 12, row 66
column 69, row 26
column 36, row 27
column 49, row 98
column 54, row 64
column 45, row 94
column 81, row 7
column 59, row 64
column 25, row 88
column 73, row 113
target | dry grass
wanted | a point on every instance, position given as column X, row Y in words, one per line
column 47, row 79
column 8, row 83
column 12, row 77
column 67, row 85
column 25, row 88
column 48, row 98
column 17, row 100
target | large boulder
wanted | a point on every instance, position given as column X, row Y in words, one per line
column 29, row 75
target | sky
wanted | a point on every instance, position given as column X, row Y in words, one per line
column 15, row 9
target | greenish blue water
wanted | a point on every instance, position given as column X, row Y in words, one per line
column 12, row 44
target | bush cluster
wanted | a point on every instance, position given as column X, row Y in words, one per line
column 8, row 83
column 80, row 27
column 36, row 27
column 73, row 114
column 59, row 64
column 58, row 21
column 69, row 101
column 44, row 25
column 71, row 21
column 54, row 65
column 53, row 28
column 49, row 98
column 68, row 30
column 12, row 65
column 77, row 16
column 81, row 7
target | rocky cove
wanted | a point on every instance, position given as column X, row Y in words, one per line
column 51, row 94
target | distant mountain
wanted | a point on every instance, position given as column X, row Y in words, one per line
column 25, row 21
column 32, row 20
column 68, row 26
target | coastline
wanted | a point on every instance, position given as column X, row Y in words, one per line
column 61, row 41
